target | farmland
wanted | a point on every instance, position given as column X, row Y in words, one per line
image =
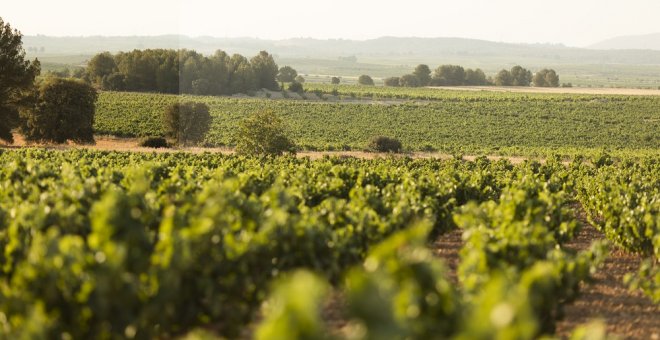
column 142, row 245
column 423, row 119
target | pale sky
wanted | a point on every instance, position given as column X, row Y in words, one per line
column 571, row 22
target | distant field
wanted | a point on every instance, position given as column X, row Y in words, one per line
column 558, row 90
column 467, row 122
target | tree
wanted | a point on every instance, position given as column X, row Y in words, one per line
column 63, row 110
column 300, row 79
column 265, row 70
column 335, row 80
column 286, row 74
column 423, row 73
column 409, row 80
column 114, row 82
column 365, row 80
column 475, row 77
column 449, row 75
column 201, row 86
column 392, row 81
column 552, row 79
column 187, row 122
column 262, row 133
column 101, row 66
column 17, row 76
column 520, row 76
column 546, row 78
column 504, row 78
column 241, row 75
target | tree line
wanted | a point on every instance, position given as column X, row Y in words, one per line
column 455, row 75
column 182, row 71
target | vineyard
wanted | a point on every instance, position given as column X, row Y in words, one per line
column 138, row 245
column 452, row 122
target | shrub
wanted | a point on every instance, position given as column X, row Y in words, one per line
column 335, row 80
column 187, row 122
column 262, row 133
column 154, row 142
column 392, row 81
column 63, row 110
column 365, row 80
column 385, row 144
column 296, row 87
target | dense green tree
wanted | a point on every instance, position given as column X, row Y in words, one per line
column 242, row 78
column 101, row 66
column 504, row 78
column 201, row 86
column 520, row 76
column 62, row 110
column 300, row 79
column 392, row 81
column 409, row 80
column 335, row 80
column 449, row 75
column 475, row 77
column 265, row 70
column 181, row 71
column 546, row 78
column 262, row 133
column 365, row 80
column 17, row 76
column 187, row 122
column 423, row 73
column 114, row 82
column 286, row 74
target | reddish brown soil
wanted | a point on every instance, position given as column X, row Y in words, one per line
column 628, row 314
column 447, row 247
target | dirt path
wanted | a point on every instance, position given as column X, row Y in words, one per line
column 447, row 247
column 630, row 315
column 110, row 143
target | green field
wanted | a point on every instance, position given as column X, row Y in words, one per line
column 446, row 121
column 145, row 245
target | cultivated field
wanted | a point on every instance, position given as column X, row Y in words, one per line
column 118, row 241
column 446, row 121
column 164, row 244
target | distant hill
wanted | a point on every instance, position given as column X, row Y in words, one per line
column 641, row 42
column 390, row 48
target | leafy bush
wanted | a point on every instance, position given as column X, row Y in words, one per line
column 63, row 110
column 187, row 122
column 365, row 80
column 296, row 86
column 154, row 142
column 262, row 133
column 385, row 144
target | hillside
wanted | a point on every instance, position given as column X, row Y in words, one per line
column 641, row 42
column 385, row 47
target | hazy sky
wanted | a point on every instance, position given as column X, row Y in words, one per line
column 572, row 22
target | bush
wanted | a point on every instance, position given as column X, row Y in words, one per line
column 262, row 133
column 385, row 144
column 295, row 87
column 392, row 81
column 154, row 142
column 365, row 80
column 187, row 122
column 63, row 110
column 335, row 80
